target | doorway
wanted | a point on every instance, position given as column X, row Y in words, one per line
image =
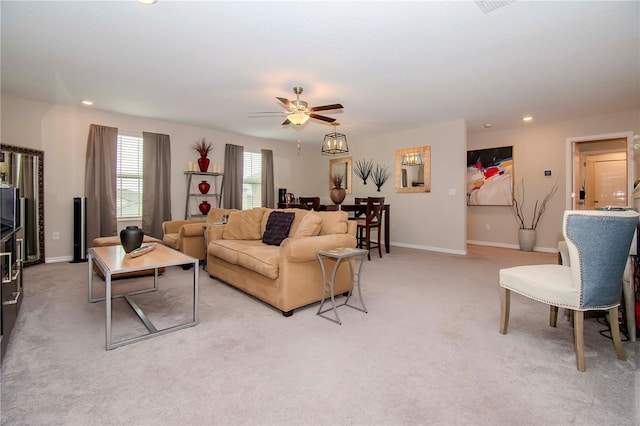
column 600, row 171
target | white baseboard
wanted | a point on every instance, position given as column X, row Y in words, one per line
column 511, row 246
column 429, row 248
column 58, row 259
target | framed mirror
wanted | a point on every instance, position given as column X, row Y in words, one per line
column 341, row 166
column 23, row 168
column 413, row 169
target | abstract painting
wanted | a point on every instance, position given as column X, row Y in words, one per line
column 490, row 177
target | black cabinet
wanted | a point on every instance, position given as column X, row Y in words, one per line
column 11, row 256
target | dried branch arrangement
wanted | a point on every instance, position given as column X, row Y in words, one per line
column 538, row 209
column 203, row 148
column 363, row 169
column 336, row 180
column 380, row 175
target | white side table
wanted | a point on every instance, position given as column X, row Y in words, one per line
column 355, row 258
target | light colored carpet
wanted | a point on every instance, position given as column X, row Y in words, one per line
column 428, row 352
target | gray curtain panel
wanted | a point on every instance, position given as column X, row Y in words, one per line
column 233, row 169
column 156, row 183
column 100, row 182
column 268, row 189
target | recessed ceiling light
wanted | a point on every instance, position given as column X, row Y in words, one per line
column 147, row 2
column 87, row 102
column 487, row 125
column 527, row 118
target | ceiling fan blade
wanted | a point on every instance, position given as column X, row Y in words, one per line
column 275, row 114
column 285, row 122
column 322, row 117
column 285, row 102
column 326, row 107
column 268, row 112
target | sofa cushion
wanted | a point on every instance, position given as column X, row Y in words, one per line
column 228, row 250
column 278, row 226
column 253, row 255
column 244, row 225
column 261, row 258
column 309, row 226
column 333, row 222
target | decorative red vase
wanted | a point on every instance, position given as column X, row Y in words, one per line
column 203, row 163
column 204, row 207
column 204, row 187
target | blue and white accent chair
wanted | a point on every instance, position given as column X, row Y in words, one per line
column 598, row 245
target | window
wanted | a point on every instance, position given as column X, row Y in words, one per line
column 252, row 180
column 129, row 175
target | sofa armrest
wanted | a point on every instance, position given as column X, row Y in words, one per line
column 173, row 226
column 304, row 249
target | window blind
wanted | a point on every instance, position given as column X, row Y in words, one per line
column 252, row 180
column 129, row 176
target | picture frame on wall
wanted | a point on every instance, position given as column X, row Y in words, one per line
column 490, row 176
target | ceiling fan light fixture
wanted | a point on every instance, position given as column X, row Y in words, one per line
column 335, row 143
column 298, row 118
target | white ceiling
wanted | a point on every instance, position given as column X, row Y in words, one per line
column 393, row 65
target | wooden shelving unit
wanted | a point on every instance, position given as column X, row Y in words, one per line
column 195, row 197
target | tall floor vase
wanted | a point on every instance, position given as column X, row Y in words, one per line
column 527, row 239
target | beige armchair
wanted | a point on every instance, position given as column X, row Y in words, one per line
column 188, row 236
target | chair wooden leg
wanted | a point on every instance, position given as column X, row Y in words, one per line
column 368, row 243
column 505, row 305
column 553, row 316
column 629, row 304
column 379, row 243
column 615, row 333
column 578, row 332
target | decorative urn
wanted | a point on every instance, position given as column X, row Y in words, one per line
column 204, row 187
column 131, row 238
column 204, row 207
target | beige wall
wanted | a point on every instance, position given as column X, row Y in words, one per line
column 433, row 221
column 537, row 148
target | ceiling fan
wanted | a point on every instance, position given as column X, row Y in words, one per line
column 299, row 111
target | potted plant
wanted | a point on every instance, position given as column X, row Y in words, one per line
column 203, row 148
column 337, row 192
column 527, row 230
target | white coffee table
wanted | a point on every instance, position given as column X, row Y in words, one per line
column 112, row 260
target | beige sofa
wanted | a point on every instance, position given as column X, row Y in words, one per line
column 287, row 276
column 187, row 236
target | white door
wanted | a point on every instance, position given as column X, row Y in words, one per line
column 607, row 179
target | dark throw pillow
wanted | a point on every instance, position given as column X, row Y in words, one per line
column 277, row 229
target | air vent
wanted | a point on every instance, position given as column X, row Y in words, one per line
column 489, row 6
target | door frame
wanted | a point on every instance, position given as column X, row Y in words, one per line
column 569, row 161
